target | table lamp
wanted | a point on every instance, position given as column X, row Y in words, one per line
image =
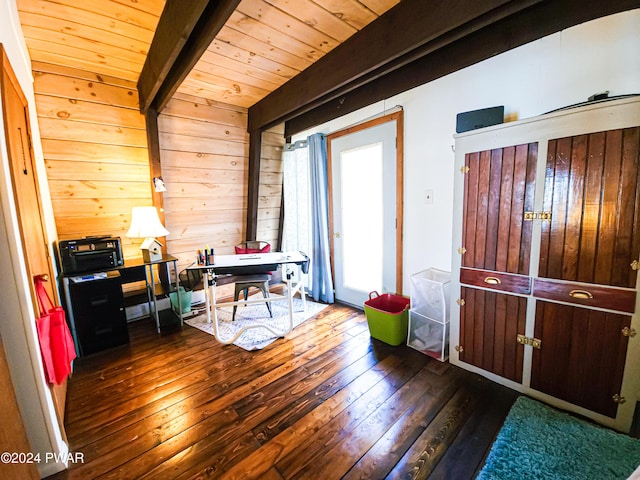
column 145, row 223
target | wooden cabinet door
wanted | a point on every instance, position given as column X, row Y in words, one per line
column 591, row 190
column 498, row 189
column 582, row 356
column 489, row 325
column 569, row 258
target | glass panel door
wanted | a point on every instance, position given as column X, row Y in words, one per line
column 363, row 169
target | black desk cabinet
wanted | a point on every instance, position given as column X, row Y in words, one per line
column 97, row 313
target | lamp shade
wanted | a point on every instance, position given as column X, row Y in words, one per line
column 145, row 223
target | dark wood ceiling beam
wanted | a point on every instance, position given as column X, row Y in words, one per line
column 408, row 31
column 185, row 30
column 527, row 26
column 255, row 157
column 174, row 28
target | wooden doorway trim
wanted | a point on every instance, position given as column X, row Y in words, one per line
column 398, row 117
column 34, row 240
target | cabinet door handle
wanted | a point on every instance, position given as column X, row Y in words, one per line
column 582, row 294
column 492, row 281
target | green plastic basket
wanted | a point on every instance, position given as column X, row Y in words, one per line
column 185, row 300
column 388, row 317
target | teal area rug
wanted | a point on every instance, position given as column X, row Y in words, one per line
column 540, row 442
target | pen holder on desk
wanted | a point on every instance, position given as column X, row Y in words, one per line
column 206, row 257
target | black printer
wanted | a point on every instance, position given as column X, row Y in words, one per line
column 90, row 254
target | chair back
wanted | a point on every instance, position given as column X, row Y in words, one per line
column 253, row 246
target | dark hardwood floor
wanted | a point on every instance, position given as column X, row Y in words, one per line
column 326, row 402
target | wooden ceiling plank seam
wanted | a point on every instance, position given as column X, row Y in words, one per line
column 66, row 41
column 149, row 6
column 174, row 28
column 63, row 13
column 77, row 30
column 210, row 60
column 203, row 71
column 209, row 102
column 234, row 85
column 199, row 127
column 379, row 7
column 76, row 58
column 265, row 13
column 184, row 111
column 50, row 57
column 272, row 37
column 494, row 39
column 317, row 17
column 215, row 16
column 256, row 46
column 181, row 109
column 221, row 92
column 114, row 11
column 390, row 37
column 249, row 59
column 40, row 68
column 351, row 11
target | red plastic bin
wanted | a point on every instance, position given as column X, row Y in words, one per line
column 388, row 317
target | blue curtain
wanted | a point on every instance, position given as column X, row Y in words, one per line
column 321, row 282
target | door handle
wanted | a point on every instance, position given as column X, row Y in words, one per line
column 336, row 235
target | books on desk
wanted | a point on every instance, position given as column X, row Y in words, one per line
column 89, row 277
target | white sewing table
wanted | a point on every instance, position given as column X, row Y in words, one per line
column 247, row 264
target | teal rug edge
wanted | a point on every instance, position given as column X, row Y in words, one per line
column 539, row 442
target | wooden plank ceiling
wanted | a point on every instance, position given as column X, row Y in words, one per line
column 263, row 44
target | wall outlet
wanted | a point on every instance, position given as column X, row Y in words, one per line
column 428, row 197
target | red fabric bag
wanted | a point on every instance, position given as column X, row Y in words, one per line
column 56, row 343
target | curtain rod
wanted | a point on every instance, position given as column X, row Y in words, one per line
column 290, row 147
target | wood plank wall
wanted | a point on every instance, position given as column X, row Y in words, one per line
column 204, row 154
column 95, row 151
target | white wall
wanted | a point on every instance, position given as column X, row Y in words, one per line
column 553, row 72
column 17, row 325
